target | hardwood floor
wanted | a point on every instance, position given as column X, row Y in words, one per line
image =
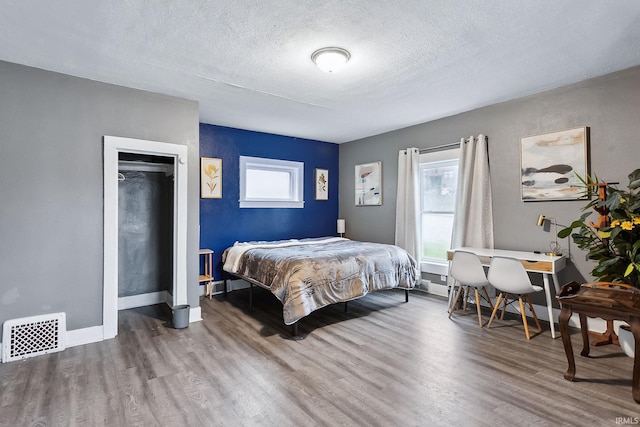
column 384, row 363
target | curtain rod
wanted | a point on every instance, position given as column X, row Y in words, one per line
column 442, row 147
column 439, row 147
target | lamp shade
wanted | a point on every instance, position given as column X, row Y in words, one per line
column 340, row 226
column 554, row 246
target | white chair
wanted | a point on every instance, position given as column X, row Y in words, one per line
column 509, row 277
column 467, row 272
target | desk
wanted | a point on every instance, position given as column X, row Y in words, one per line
column 533, row 263
column 609, row 301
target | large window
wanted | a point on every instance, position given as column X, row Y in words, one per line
column 271, row 183
column 438, row 183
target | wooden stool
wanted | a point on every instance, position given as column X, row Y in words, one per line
column 208, row 271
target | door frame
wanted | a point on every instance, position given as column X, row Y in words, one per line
column 113, row 146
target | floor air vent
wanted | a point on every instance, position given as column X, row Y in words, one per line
column 33, row 336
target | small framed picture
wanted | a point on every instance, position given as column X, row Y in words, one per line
column 210, row 178
column 369, row 184
column 322, row 184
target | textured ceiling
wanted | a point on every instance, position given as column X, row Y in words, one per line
column 248, row 62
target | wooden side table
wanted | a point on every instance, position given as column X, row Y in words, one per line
column 207, row 277
column 609, row 301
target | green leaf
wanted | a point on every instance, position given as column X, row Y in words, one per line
column 634, row 179
column 578, row 223
column 581, row 222
column 565, row 232
column 601, row 269
column 615, row 232
column 589, row 206
column 629, row 269
column 635, row 206
column 613, row 200
column 582, row 180
column 610, row 262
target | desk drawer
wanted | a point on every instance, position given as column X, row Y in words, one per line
column 541, row 266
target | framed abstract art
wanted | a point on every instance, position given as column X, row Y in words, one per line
column 368, row 184
column 552, row 164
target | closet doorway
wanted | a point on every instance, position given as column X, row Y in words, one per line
column 145, row 230
column 142, row 267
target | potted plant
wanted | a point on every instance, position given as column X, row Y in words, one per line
column 613, row 242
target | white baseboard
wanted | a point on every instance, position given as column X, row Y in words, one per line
column 594, row 324
column 195, row 314
column 232, row 285
column 93, row 334
column 218, row 287
column 142, row 300
column 436, row 288
column 85, row 336
column 82, row 336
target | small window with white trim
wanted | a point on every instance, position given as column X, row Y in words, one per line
column 271, row 183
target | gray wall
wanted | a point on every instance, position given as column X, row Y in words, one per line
column 51, row 189
column 609, row 105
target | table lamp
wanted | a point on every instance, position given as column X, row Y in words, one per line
column 340, row 227
column 554, row 246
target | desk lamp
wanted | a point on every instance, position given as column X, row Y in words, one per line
column 554, row 246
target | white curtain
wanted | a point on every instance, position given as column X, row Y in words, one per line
column 408, row 202
column 473, row 217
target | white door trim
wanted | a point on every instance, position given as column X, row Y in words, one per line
column 112, row 147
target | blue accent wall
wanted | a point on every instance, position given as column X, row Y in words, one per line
column 222, row 222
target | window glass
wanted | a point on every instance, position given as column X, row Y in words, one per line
column 268, row 184
column 271, row 183
column 438, row 183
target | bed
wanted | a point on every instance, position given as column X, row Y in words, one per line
column 308, row 274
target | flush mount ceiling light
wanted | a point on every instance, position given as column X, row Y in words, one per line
column 331, row 59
